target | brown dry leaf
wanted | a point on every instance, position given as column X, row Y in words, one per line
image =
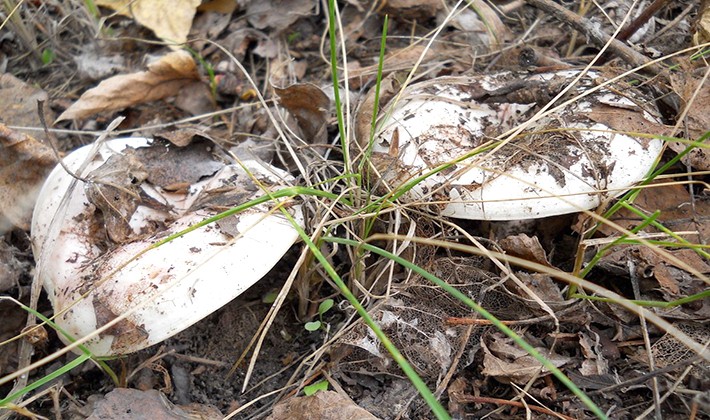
column 172, row 164
column 324, row 405
column 406, row 9
column 673, row 280
column 277, row 14
column 508, row 363
column 526, row 247
column 181, row 137
column 18, row 103
column 219, row 6
column 24, row 165
column 628, row 120
column 195, row 98
column 363, row 116
column 594, row 362
column 310, row 106
column 542, row 285
column 150, row 404
column 162, row 79
column 170, row 20
column 677, row 212
column 697, row 119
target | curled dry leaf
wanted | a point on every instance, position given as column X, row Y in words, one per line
column 674, row 282
column 163, row 78
column 170, row 20
column 310, row 106
column 525, row 247
column 24, row 164
column 94, row 275
column 507, row 362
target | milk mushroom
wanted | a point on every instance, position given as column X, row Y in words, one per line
column 576, row 153
column 82, row 244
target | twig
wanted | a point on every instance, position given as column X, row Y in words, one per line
column 498, row 401
column 52, row 140
column 597, row 35
column 641, row 19
column 639, row 379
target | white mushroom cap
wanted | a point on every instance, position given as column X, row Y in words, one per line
column 166, row 289
column 581, row 159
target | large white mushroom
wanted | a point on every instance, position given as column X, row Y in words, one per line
column 571, row 160
column 88, row 237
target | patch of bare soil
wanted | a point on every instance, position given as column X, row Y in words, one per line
column 615, row 298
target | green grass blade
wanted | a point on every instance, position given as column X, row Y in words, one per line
column 38, row 383
column 473, row 305
column 407, row 368
column 336, row 87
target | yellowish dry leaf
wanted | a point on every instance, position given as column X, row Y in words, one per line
column 163, row 78
column 170, row 20
column 702, row 27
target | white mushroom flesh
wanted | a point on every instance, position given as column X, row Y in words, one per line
column 166, row 289
column 568, row 161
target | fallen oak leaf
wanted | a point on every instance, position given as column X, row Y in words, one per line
column 170, row 20
column 163, row 78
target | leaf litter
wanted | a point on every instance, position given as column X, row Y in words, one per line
column 597, row 344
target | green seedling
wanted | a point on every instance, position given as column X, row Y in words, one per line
column 322, row 309
column 48, row 56
column 313, row 388
column 293, row 37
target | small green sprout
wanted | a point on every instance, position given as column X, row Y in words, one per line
column 313, row 388
column 48, row 56
column 322, row 309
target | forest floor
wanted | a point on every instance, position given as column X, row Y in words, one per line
column 257, row 75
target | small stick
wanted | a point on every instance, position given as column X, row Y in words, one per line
column 452, row 320
column 52, row 140
column 488, row 400
column 641, row 19
column 597, row 35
